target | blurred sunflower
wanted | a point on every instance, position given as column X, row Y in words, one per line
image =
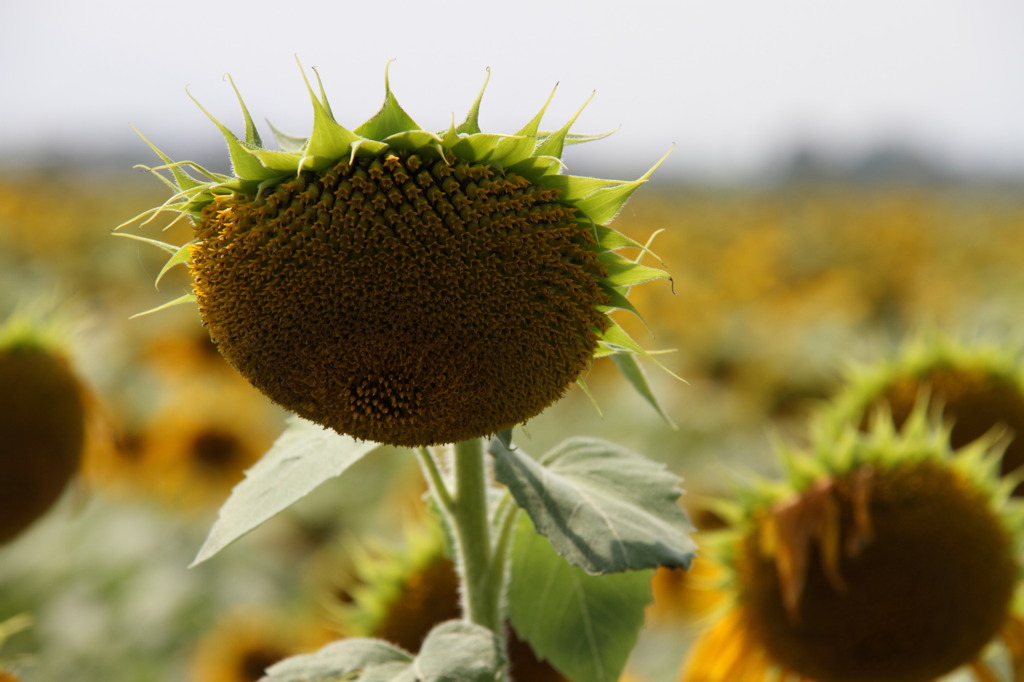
column 406, row 286
column 243, row 645
column 44, row 410
column 176, row 353
column 886, row 556
column 401, row 597
column 192, row 451
column 689, row 596
column 978, row 388
column 685, row 596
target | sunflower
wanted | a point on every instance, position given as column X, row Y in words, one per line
column 689, row 596
column 978, row 388
column 195, row 448
column 43, row 414
column 886, row 556
column 406, row 286
column 242, row 645
column 400, row 597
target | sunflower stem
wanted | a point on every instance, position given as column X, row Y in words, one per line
column 435, row 480
column 481, row 583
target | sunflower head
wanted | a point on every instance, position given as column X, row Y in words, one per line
column 193, row 449
column 400, row 597
column 978, row 389
column 42, row 422
column 241, row 646
column 402, row 285
column 885, row 557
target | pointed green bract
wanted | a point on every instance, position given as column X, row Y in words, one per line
column 553, row 144
column 472, row 122
column 534, row 154
column 391, row 118
column 179, row 257
column 186, row 298
column 252, row 136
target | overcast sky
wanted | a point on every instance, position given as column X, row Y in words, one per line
column 733, row 83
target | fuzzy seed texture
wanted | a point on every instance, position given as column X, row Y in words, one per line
column 401, row 300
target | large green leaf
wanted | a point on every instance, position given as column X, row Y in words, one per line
column 585, row 625
column 604, row 508
column 304, row 456
column 454, row 651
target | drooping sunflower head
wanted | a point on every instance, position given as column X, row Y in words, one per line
column 407, row 286
column 885, row 557
column 42, row 422
column 978, row 388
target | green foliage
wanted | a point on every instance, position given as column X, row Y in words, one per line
column 586, row 625
column 302, row 458
column 454, row 651
column 604, row 508
column 634, row 374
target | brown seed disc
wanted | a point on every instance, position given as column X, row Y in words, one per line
column 402, row 301
column 920, row 599
column 42, row 431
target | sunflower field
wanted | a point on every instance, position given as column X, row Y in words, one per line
column 834, row 368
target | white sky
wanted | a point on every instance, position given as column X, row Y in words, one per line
column 733, row 83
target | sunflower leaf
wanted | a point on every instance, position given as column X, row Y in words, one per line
column 304, row 456
column 603, row 508
column 356, row 655
column 585, row 625
column 457, row 651
column 454, row 651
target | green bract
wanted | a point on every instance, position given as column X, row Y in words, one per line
column 402, row 285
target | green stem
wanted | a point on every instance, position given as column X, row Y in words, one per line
column 435, row 480
column 481, row 594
